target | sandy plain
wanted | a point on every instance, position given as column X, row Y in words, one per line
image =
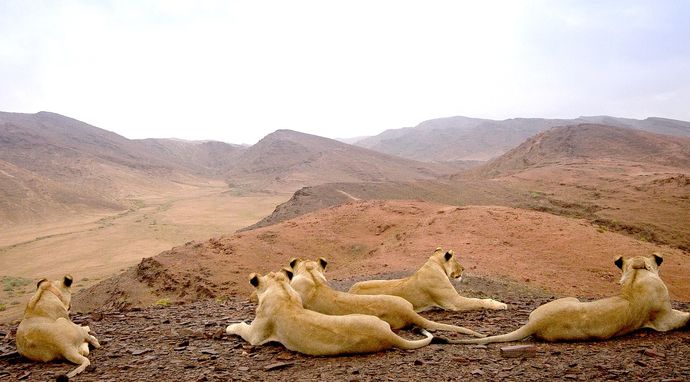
column 97, row 245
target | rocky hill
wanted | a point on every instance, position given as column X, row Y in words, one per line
column 288, row 159
column 52, row 165
column 591, row 142
column 463, row 138
column 360, row 238
column 622, row 179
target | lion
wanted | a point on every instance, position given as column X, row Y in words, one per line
column 430, row 286
column 280, row 317
column 309, row 281
column 46, row 332
column 643, row 303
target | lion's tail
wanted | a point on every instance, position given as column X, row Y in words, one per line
column 42, row 286
column 414, row 344
column 432, row 325
column 516, row 335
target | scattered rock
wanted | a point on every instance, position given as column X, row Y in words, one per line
column 278, row 365
column 519, row 351
column 216, row 334
column 12, row 354
column 208, row 351
column 652, row 353
column 140, row 351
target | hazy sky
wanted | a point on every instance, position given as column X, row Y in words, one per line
column 238, row 70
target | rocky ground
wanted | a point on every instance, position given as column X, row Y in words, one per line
column 188, row 342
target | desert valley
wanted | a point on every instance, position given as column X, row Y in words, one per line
column 161, row 235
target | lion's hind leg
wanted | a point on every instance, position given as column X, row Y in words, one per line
column 89, row 338
column 73, row 355
column 673, row 319
column 451, row 300
column 250, row 333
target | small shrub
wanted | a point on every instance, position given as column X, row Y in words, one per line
column 10, row 283
column 162, row 303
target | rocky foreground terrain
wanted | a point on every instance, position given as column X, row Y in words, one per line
column 188, row 343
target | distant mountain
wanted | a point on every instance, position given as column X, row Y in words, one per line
column 203, row 157
column 51, row 164
column 463, row 138
column 623, row 179
column 590, row 141
column 288, row 159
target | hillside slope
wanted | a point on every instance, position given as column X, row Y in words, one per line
column 463, row 138
column 288, row 159
column 52, row 165
column 566, row 256
column 622, row 179
column 591, row 142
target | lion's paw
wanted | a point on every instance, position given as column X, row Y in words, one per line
column 496, row 305
column 235, row 328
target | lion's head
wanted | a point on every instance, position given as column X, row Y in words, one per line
column 62, row 289
column 273, row 283
column 309, row 268
column 449, row 263
column 633, row 264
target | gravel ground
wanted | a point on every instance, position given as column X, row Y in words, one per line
column 188, row 342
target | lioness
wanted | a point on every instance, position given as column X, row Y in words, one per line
column 280, row 317
column 46, row 332
column 430, row 286
column 309, row 281
column 642, row 303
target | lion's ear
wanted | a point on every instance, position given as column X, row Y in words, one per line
column 288, row 273
column 323, row 262
column 658, row 259
column 293, row 262
column 41, row 281
column 619, row 262
column 254, row 279
column 67, row 281
column 448, row 255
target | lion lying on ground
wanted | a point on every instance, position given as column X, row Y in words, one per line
column 642, row 303
column 280, row 317
column 309, row 281
column 46, row 332
column 430, row 286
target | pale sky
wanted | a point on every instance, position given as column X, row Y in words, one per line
column 236, row 71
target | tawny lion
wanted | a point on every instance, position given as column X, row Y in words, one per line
column 309, row 281
column 46, row 332
column 430, row 286
column 643, row 303
column 280, row 317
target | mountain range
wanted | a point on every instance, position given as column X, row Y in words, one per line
column 463, row 138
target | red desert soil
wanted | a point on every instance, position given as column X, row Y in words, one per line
column 565, row 256
column 165, row 318
column 188, row 343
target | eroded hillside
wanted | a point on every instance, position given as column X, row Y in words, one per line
column 566, row 256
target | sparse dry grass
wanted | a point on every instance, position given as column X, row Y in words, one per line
column 97, row 246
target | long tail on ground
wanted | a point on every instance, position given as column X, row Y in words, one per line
column 516, row 335
column 414, row 344
column 432, row 325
